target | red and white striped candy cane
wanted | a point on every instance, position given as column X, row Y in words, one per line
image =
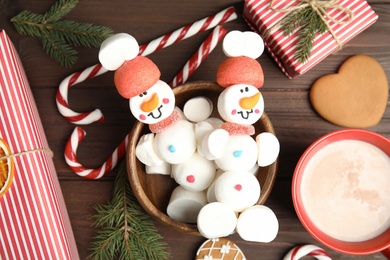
column 62, row 96
column 184, row 32
column 307, row 250
column 146, row 49
column 71, row 146
column 199, row 56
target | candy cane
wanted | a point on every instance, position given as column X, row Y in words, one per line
column 71, row 146
column 199, row 56
column 187, row 31
column 62, row 96
column 146, row 49
column 307, row 250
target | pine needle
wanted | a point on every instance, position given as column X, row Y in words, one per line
column 57, row 36
column 125, row 230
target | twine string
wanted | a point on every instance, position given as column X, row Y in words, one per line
column 47, row 150
column 320, row 8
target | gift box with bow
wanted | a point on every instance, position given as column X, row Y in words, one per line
column 337, row 22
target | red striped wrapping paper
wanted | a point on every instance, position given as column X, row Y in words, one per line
column 34, row 222
column 282, row 48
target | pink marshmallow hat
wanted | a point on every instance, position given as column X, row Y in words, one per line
column 134, row 74
column 241, row 66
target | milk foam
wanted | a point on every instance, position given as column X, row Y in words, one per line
column 345, row 190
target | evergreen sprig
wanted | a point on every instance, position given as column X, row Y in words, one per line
column 57, row 36
column 126, row 232
column 308, row 23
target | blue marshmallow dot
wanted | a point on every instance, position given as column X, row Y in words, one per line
column 172, row 148
column 237, row 153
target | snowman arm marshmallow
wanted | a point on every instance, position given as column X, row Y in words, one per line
column 213, row 143
column 268, row 148
column 145, row 151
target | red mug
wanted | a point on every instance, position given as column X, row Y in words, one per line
column 380, row 243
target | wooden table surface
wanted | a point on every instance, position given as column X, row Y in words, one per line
column 286, row 103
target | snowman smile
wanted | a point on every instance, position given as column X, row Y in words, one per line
column 245, row 114
column 159, row 114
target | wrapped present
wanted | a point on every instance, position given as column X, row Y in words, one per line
column 343, row 20
column 34, row 220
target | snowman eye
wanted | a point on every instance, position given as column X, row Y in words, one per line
column 246, row 89
column 143, row 94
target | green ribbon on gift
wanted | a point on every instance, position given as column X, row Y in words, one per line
column 319, row 7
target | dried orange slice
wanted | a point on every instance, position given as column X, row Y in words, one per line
column 6, row 167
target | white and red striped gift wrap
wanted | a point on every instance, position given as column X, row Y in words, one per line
column 282, row 48
column 34, row 222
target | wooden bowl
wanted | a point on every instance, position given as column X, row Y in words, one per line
column 153, row 191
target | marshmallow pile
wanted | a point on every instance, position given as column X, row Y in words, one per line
column 214, row 161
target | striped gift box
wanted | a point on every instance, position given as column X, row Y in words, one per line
column 282, row 48
column 34, row 223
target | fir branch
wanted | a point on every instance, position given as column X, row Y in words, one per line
column 308, row 23
column 126, row 232
column 77, row 33
column 57, row 35
column 293, row 21
column 27, row 23
column 60, row 51
column 59, row 10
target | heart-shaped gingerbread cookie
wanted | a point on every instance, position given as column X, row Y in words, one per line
column 354, row 97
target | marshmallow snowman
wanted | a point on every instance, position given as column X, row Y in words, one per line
column 235, row 152
column 241, row 105
column 151, row 101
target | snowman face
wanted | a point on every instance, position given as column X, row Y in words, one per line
column 154, row 105
column 241, row 104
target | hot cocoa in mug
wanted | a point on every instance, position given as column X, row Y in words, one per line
column 341, row 191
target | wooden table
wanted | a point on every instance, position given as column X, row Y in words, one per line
column 287, row 104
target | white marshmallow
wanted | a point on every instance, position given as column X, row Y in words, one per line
column 213, row 143
column 216, row 220
column 215, row 122
column 184, row 205
column 201, row 130
column 157, row 104
column 145, row 152
column 198, row 109
column 195, row 174
column 258, row 224
column 254, row 170
column 241, row 104
column 164, row 169
column 254, row 45
column 238, row 153
column 117, row 49
column 269, row 147
column 211, row 189
column 237, row 189
column 237, row 43
column 177, row 143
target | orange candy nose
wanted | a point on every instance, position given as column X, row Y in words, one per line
column 249, row 102
column 151, row 104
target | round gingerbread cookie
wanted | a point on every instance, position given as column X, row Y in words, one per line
column 218, row 249
column 356, row 96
